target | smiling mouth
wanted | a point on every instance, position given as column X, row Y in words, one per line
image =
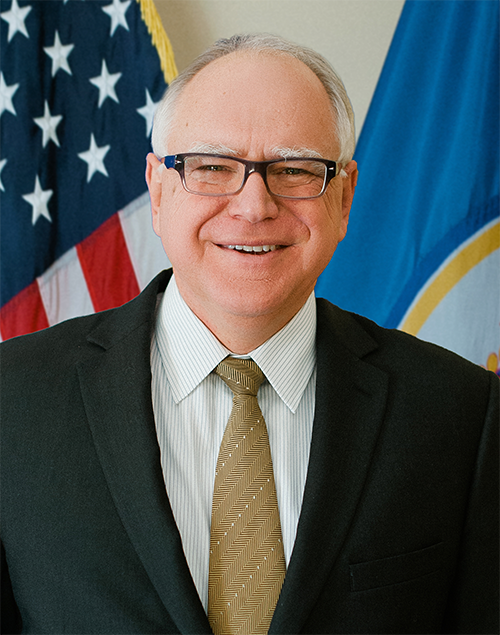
column 253, row 249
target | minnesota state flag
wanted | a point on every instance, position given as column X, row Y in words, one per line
column 422, row 252
column 79, row 83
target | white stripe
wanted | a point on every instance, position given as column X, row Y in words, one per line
column 144, row 246
column 64, row 290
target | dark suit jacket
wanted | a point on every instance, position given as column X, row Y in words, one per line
column 398, row 530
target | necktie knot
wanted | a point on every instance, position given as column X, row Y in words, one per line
column 243, row 376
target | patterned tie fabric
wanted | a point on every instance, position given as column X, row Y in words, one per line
column 247, row 562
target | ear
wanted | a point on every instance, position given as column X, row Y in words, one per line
column 154, row 181
column 348, row 186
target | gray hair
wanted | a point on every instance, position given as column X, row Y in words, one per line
column 341, row 106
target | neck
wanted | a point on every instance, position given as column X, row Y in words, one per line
column 239, row 333
column 241, row 336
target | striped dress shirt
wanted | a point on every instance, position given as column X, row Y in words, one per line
column 192, row 405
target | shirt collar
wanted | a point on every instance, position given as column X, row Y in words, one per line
column 288, row 358
column 190, row 351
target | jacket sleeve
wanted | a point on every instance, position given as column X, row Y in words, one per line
column 474, row 602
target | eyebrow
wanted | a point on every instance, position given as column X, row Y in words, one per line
column 211, row 148
column 287, row 153
column 282, row 152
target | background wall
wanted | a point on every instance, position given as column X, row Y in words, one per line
column 354, row 35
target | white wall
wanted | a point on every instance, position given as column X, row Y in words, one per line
column 354, row 35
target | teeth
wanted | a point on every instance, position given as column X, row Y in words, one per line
column 257, row 249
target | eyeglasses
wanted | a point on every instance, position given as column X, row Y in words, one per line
column 219, row 175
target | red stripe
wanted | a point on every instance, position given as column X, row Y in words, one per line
column 25, row 313
column 107, row 266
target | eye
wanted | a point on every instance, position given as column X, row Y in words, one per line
column 286, row 170
column 210, row 165
column 212, row 168
column 293, row 171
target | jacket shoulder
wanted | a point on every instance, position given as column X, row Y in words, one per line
column 72, row 340
column 396, row 352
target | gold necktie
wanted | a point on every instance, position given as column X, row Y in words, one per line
column 247, row 562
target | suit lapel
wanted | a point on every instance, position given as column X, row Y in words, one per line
column 116, row 389
column 350, row 402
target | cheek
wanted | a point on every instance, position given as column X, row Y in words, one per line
column 184, row 219
column 323, row 219
column 326, row 230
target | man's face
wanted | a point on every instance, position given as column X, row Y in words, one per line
column 250, row 104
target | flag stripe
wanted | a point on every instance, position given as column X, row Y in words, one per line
column 145, row 248
column 25, row 313
column 107, row 266
column 57, row 288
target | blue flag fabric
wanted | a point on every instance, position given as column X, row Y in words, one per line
column 421, row 251
column 79, row 83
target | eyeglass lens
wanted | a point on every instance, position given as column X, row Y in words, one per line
column 215, row 175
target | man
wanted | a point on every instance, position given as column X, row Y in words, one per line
column 383, row 447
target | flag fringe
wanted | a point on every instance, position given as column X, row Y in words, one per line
column 159, row 38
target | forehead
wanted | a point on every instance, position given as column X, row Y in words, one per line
column 252, row 102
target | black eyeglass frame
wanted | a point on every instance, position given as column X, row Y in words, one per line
column 176, row 162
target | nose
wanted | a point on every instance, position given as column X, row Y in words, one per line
column 253, row 202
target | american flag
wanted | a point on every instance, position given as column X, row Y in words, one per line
column 79, row 83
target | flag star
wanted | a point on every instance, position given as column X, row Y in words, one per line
column 148, row 112
column 94, row 158
column 16, row 17
column 6, row 94
column 116, row 12
column 3, row 163
column 48, row 124
column 59, row 54
column 105, row 82
column 39, row 200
